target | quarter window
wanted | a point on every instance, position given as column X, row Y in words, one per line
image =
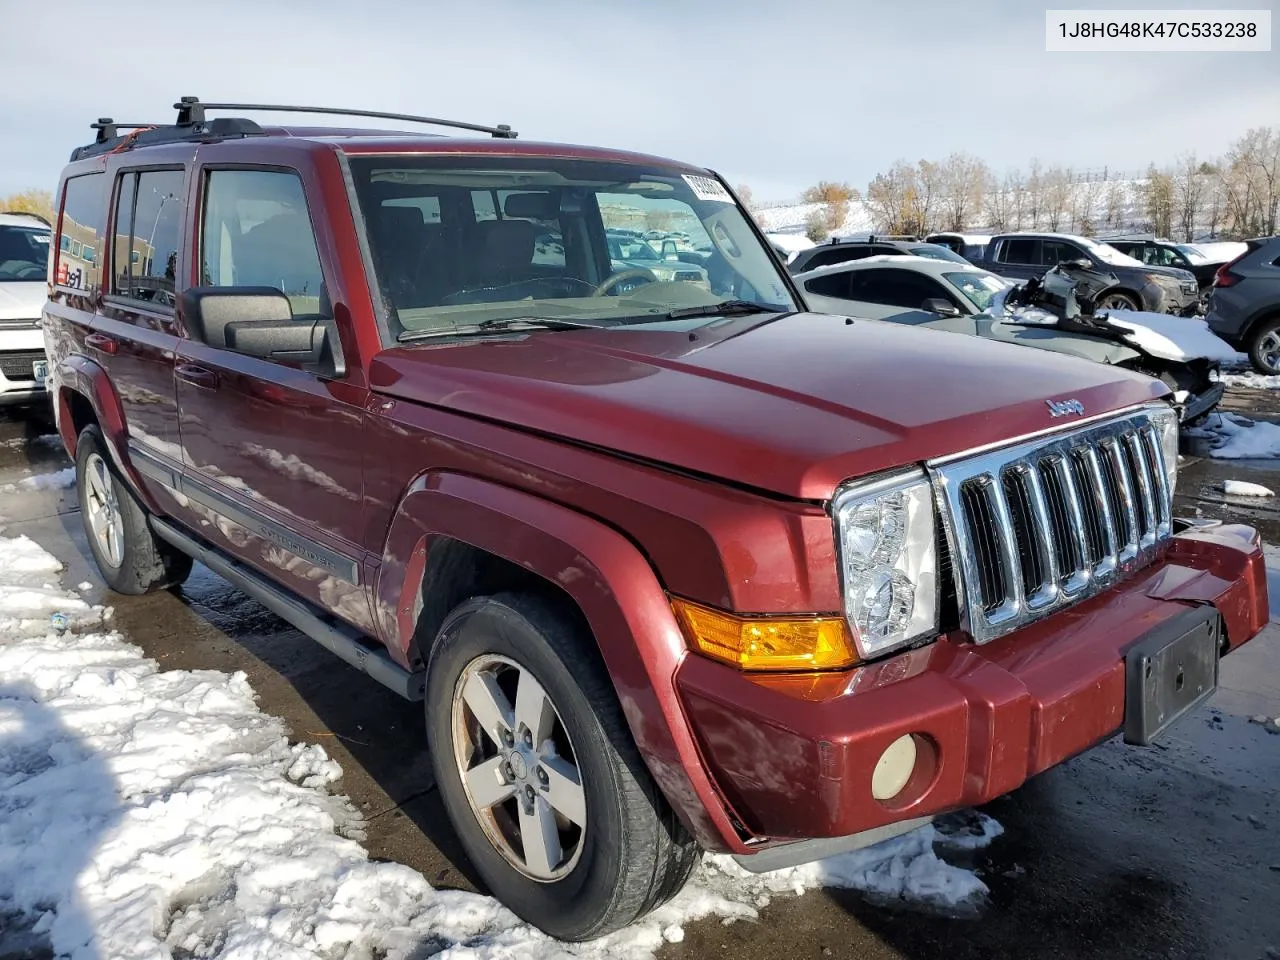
column 256, row 232
column 83, row 221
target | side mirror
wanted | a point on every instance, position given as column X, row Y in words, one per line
column 259, row 322
column 943, row 308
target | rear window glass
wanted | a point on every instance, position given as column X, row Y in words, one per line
column 80, row 231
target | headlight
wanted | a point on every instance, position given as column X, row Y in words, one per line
column 1166, row 424
column 885, row 532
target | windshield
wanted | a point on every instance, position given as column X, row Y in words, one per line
column 554, row 239
column 937, row 252
column 977, row 286
column 1108, row 254
column 24, row 253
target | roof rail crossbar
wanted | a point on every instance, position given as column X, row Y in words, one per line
column 108, row 129
column 192, row 111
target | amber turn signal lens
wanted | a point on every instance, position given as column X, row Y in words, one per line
column 767, row 643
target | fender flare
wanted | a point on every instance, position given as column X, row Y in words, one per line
column 79, row 374
column 614, row 587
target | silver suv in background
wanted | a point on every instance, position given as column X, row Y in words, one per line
column 1021, row 256
column 1244, row 307
column 24, row 270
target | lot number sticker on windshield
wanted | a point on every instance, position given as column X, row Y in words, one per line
column 707, row 188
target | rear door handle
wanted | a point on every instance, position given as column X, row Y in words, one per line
column 100, row 341
column 196, row 375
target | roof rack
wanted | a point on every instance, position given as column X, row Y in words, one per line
column 192, row 125
column 192, row 110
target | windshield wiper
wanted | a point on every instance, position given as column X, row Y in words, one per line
column 497, row 325
column 726, row 308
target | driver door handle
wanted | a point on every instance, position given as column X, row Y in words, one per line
column 196, row 375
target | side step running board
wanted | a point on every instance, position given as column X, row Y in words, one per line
column 806, row 851
column 336, row 637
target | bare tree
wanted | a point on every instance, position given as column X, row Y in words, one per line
column 1058, row 184
column 1157, row 201
column 1117, row 198
column 891, row 197
column 928, row 197
column 1188, row 194
column 964, row 182
column 745, row 195
column 815, row 226
column 826, row 191
column 1035, row 191
column 1003, row 202
column 1085, row 201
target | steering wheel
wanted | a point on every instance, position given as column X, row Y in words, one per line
column 635, row 273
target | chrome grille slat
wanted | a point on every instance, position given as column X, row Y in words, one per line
column 1045, row 523
column 1079, row 576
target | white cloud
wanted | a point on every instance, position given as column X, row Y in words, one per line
column 776, row 96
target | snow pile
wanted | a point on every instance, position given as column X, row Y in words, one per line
column 60, row 480
column 148, row 813
column 1242, row 488
column 1255, row 381
column 1174, row 338
column 1233, row 437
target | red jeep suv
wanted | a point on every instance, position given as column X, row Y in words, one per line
column 674, row 566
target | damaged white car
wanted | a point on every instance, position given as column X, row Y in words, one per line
column 1053, row 312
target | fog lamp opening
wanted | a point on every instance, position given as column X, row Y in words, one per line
column 894, row 768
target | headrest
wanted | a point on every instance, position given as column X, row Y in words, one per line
column 508, row 243
column 534, row 206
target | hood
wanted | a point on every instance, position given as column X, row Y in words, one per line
column 22, row 299
column 792, row 406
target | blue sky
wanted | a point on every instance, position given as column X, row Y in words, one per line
column 773, row 95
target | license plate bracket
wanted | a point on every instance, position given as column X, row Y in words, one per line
column 1170, row 672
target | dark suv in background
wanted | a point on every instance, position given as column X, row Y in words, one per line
column 1022, row 256
column 1244, row 308
column 842, row 251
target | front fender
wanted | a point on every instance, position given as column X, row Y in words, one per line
column 76, row 374
column 612, row 584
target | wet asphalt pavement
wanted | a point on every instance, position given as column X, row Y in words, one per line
column 1165, row 852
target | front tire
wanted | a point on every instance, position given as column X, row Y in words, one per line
column 1116, row 300
column 1264, row 347
column 130, row 558
column 538, row 771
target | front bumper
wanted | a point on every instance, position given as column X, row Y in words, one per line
column 792, row 757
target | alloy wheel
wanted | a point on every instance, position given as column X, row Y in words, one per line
column 1269, row 350
column 105, row 521
column 518, row 768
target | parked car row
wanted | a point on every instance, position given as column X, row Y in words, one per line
column 673, row 565
column 24, row 267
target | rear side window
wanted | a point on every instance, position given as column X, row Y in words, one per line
column 145, row 248
column 831, row 285
column 1019, row 250
column 896, row 288
column 80, row 234
column 256, row 232
column 1054, row 252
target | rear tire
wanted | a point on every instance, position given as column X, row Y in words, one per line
column 1264, row 347
column 130, row 558
column 629, row 854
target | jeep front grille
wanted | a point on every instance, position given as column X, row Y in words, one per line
column 1046, row 523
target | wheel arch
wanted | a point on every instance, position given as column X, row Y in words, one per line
column 447, row 524
column 86, row 396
